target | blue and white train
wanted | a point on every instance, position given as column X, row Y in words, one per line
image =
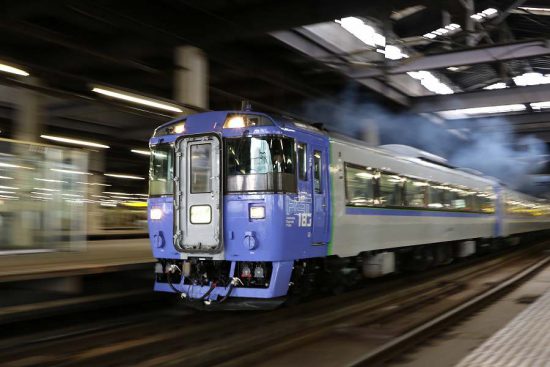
column 247, row 208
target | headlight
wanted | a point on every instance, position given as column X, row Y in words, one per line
column 155, row 214
column 234, row 122
column 179, row 129
column 201, row 214
column 257, row 212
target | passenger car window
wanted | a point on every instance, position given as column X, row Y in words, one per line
column 415, row 192
column 359, row 185
column 390, row 189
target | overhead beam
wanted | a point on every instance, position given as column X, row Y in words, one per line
column 478, row 55
column 316, row 51
column 483, row 98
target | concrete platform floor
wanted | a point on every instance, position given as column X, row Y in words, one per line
column 450, row 348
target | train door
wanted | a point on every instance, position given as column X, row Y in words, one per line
column 320, row 194
column 197, row 205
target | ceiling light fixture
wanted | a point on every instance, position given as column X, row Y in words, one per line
column 500, row 85
column 93, row 184
column 526, row 79
column 447, row 30
column 71, row 171
column 12, row 70
column 485, row 14
column 540, row 105
column 48, row 180
column 393, row 53
column 135, row 98
column 430, row 82
column 74, row 141
column 139, row 151
column 130, row 177
column 470, row 112
column 362, row 31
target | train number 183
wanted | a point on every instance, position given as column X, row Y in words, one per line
column 304, row 219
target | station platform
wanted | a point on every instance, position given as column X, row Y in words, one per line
column 99, row 256
column 525, row 341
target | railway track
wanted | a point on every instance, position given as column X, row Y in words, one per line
column 172, row 337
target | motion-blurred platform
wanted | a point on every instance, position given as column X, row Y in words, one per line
column 99, row 256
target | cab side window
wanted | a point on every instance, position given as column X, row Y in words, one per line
column 301, row 150
column 317, row 164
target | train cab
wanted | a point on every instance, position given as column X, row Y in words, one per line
column 236, row 198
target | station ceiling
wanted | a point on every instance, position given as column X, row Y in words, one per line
column 279, row 54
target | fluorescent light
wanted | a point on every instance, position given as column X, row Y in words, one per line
column 394, row 53
column 9, row 165
column 540, row 105
column 48, row 180
column 531, row 79
column 447, row 30
column 44, row 189
column 9, row 197
column 9, row 187
column 41, row 193
column 430, row 82
column 537, row 11
column 130, row 97
column 71, row 171
column 93, row 184
column 72, row 195
column 496, row 86
column 130, row 177
column 485, row 14
column 453, row 68
column 139, row 151
column 469, row 112
column 7, row 192
column 362, row 31
column 74, row 141
column 10, row 69
column 6, row 178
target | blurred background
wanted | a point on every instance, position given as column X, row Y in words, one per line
column 83, row 85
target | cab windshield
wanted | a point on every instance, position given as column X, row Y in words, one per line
column 260, row 164
column 161, row 170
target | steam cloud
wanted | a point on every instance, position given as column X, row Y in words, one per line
column 492, row 150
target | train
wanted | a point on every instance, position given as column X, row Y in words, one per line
column 248, row 209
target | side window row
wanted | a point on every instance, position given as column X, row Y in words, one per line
column 367, row 186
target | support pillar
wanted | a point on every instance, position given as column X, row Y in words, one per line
column 28, row 118
column 27, row 124
column 191, row 76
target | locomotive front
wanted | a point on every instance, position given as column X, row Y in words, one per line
column 231, row 207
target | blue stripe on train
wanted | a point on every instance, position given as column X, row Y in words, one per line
column 411, row 213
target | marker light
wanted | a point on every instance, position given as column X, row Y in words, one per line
column 179, row 129
column 155, row 214
column 257, row 212
column 130, row 97
column 74, row 141
column 10, row 69
column 201, row 214
column 234, row 122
